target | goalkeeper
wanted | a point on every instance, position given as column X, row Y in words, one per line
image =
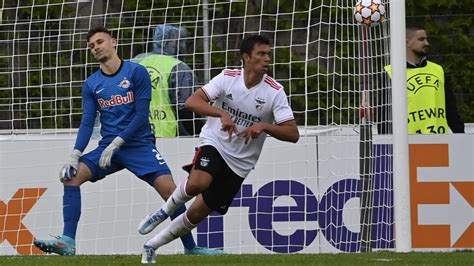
column 248, row 105
column 120, row 91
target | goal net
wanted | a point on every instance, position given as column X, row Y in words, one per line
column 330, row 192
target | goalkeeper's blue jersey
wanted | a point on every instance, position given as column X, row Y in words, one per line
column 115, row 96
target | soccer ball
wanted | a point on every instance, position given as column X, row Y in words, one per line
column 369, row 12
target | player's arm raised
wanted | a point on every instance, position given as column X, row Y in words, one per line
column 199, row 103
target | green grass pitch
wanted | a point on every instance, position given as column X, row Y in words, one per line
column 375, row 258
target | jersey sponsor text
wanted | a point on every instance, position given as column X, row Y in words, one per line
column 116, row 100
column 241, row 118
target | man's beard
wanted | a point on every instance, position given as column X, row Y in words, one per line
column 422, row 53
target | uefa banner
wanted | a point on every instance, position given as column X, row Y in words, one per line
column 301, row 198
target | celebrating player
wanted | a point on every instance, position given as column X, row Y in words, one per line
column 120, row 91
column 248, row 105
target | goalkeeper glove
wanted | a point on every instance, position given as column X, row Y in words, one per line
column 106, row 156
column 69, row 169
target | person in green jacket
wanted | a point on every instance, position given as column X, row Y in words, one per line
column 173, row 82
column 431, row 101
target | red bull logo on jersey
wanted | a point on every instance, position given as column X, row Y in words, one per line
column 117, row 100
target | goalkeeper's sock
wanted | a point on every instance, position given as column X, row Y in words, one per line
column 178, row 227
column 177, row 199
column 71, row 210
column 187, row 239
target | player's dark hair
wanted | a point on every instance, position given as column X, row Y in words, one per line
column 97, row 29
column 410, row 29
column 249, row 42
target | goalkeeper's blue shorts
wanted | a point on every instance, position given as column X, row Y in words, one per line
column 142, row 159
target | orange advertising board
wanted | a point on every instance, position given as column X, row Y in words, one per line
column 442, row 195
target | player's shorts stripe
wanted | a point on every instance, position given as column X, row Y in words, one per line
column 196, row 155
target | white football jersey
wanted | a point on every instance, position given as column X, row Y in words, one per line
column 265, row 102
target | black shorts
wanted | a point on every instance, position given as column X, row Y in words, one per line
column 225, row 183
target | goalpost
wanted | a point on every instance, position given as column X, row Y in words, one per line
column 330, row 192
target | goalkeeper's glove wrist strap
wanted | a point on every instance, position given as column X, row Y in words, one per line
column 76, row 154
column 118, row 141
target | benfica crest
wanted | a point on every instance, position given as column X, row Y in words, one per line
column 259, row 102
column 204, row 161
